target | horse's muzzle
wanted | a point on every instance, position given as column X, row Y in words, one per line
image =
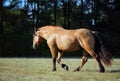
column 33, row 47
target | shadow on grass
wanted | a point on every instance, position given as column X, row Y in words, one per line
column 114, row 71
column 107, row 71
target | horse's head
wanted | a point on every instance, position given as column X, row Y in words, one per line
column 37, row 39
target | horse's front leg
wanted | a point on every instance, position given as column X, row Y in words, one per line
column 59, row 57
column 53, row 53
column 64, row 66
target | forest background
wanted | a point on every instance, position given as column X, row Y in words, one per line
column 19, row 17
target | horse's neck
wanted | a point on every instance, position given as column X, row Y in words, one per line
column 47, row 32
column 44, row 34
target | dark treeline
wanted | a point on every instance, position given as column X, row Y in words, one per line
column 19, row 17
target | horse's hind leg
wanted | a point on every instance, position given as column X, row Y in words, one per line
column 96, row 56
column 64, row 66
column 84, row 60
column 102, row 69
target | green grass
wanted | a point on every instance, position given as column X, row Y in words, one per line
column 40, row 69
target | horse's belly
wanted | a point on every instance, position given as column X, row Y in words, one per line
column 68, row 46
column 72, row 48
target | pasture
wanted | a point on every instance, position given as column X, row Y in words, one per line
column 40, row 69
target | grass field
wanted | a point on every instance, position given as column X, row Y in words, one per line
column 39, row 69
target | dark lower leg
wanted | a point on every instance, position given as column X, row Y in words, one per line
column 84, row 60
column 64, row 66
column 53, row 53
column 54, row 64
column 102, row 69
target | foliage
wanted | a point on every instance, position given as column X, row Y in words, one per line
column 17, row 22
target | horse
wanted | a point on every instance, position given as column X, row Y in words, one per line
column 60, row 40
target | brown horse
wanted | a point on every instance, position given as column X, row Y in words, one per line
column 60, row 40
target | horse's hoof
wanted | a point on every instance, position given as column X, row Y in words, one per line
column 65, row 67
column 102, row 70
column 54, row 69
column 78, row 69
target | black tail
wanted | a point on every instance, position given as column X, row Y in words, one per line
column 100, row 48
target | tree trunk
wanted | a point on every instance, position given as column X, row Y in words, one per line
column 55, row 10
column 69, row 11
column 95, row 12
column 64, row 14
column 1, row 18
column 37, row 14
column 81, row 17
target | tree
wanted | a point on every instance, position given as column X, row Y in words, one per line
column 1, row 17
column 81, row 16
column 69, row 13
column 37, row 12
column 64, row 13
column 55, row 11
